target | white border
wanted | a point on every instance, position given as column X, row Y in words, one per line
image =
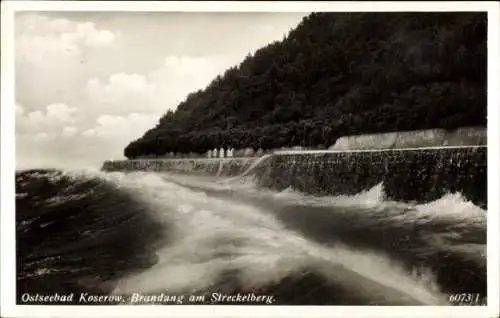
column 7, row 279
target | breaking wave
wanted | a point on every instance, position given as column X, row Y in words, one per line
column 148, row 233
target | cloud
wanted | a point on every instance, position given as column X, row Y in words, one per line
column 61, row 113
column 51, row 119
column 88, row 34
column 55, row 56
column 121, row 93
column 112, row 133
column 39, row 37
column 69, row 131
column 44, row 136
column 160, row 89
column 19, row 110
column 120, row 128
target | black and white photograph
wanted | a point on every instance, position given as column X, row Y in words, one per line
column 225, row 157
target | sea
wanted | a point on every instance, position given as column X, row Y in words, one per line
column 154, row 238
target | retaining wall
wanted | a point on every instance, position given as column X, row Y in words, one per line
column 411, row 139
column 207, row 167
column 421, row 174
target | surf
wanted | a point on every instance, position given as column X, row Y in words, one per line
column 232, row 236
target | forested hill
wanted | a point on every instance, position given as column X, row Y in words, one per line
column 337, row 74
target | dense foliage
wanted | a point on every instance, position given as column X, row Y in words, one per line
column 337, row 74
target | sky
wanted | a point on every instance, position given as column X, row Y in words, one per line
column 88, row 83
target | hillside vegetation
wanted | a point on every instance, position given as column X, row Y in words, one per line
column 337, row 74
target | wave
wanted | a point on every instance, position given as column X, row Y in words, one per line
column 432, row 236
column 180, row 235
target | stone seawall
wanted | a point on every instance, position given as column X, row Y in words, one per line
column 420, row 174
column 223, row 167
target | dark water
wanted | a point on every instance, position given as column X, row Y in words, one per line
column 146, row 233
